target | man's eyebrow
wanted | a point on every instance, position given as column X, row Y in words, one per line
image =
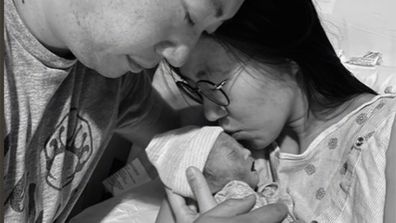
column 218, row 6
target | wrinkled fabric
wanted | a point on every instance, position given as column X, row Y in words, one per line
column 59, row 116
column 341, row 175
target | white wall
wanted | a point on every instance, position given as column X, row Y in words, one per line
column 358, row 26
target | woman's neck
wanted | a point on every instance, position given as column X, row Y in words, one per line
column 299, row 133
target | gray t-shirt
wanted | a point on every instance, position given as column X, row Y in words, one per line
column 59, row 117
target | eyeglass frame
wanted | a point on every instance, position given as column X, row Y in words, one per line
column 187, row 89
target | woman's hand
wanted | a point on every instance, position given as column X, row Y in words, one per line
column 232, row 210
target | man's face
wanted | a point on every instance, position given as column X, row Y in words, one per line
column 117, row 36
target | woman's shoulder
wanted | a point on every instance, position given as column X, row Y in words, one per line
column 372, row 109
column 381, row 108
column 371, row 118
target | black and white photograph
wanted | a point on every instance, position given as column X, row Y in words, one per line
column 199, row 111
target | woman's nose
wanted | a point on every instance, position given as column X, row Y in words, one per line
column 213, row 112
column 175, row 54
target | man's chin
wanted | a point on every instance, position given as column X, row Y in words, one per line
column 111, row 73
column 107, row 67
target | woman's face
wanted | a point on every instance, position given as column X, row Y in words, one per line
column 260, row 103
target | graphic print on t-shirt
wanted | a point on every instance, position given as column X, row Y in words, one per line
column 67, row 149
column 17, row 196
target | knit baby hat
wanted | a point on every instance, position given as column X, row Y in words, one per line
column 173, row 152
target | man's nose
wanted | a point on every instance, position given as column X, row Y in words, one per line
column 213, row 112
column 176, row 54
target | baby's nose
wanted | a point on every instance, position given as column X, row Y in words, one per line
column 247, row 153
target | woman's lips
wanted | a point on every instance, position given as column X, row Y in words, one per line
column 237, row 135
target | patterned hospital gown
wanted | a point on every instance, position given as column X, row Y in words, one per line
column 341, row 175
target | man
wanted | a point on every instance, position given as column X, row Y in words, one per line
column 66, row 92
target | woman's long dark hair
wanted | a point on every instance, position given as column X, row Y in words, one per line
column 291, row 29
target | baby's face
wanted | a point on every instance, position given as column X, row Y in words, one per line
column 228, row 160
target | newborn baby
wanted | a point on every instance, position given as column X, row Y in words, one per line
column 229, row 168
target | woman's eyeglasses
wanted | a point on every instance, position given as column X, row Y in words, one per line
column 204, row 88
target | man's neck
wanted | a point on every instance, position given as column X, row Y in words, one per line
column 34, row 16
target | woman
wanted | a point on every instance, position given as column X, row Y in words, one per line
column 278, row 79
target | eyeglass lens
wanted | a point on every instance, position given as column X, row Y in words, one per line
column 209, row 90
column 190, row 91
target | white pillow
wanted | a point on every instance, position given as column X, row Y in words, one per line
column 382, row 79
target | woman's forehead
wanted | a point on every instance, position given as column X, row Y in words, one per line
column 208, row 57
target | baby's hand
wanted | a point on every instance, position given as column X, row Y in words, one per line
column 237, row 190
